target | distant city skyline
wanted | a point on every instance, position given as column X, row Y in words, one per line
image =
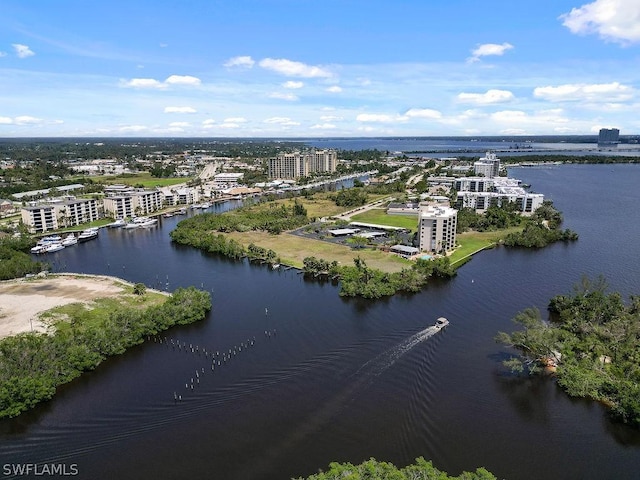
column 302, row 69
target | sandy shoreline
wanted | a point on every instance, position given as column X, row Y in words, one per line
column 23, row 300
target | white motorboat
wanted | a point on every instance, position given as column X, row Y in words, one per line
column 69, row 240
column 53, row 247
column 139, row 222
column 88, row 234
column 118, row 223
column 38, row 249
column 441, row 323
column 49, row 240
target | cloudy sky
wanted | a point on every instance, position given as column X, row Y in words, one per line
column 318, row 68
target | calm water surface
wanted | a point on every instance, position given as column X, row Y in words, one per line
column 345, row 380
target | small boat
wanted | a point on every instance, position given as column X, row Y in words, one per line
column 205, row 205
column 167, row 215
column 88, row 234
column 441, row 323
column 118, row 223
column 69, row 240
column 53, row 247
column 182, row 211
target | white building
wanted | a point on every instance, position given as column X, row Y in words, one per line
column 133, row 204
column 488, row 166
column 227, row 179
column 52, row 216
column 527, row 203
column 437, row 228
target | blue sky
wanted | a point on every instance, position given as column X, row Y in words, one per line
column 318, row 68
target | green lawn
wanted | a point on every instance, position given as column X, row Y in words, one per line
column 292, row 250
column 144, row 179
column 320, row 205
column 380, row 217
column 472, row 242
column 93, row 313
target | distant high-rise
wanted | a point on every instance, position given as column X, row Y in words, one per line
column 608, row 137
column 295, row 165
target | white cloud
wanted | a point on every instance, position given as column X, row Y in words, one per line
column 423, row 113
column 518, row 119
column 3, row 54
column 152, row 83
column 235, row 120
column 208, row 122
column 179, row 124
column 143, row 83
column 293, row 85
column 284, row 96
column 133, row 128
column 22, row 51
column 241, row 61
column 602, row 92
column 490, row 97
column 27, row 120
column 379, row 118
column 182, row 80
column 334, row 89
column 489, row 49
column 179, row 110
column 6, row 120
column 330, row 118
column 229, row 125
column 613, row 20
column 282, row 121
column 293, row 69
column 323, row 126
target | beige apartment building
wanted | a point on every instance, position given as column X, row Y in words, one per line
column 302, row 164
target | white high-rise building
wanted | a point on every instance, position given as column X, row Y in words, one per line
column 437, row 228
column 487, row 166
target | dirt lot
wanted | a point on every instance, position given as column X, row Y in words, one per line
column 22, row 301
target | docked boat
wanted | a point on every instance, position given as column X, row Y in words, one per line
column 141, row 222
column 53, row 247
column 441, row 323
column 49, row 240
column 38, row 249
column 88, row 234
column 182, row 211
column 69, row 240
column 205, row 205
column 118, row 223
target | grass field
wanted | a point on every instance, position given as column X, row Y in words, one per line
column 293, row 249
column 100, row 309
column 144, row 179
column 380, row 216
column 320, row 205
column 471, row 242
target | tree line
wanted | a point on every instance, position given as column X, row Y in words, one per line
column 360, row 280
column 592, row 340
column 373, row 469
column 14, row 261
column 33, row 365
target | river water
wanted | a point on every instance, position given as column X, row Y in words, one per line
column 345, row 380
